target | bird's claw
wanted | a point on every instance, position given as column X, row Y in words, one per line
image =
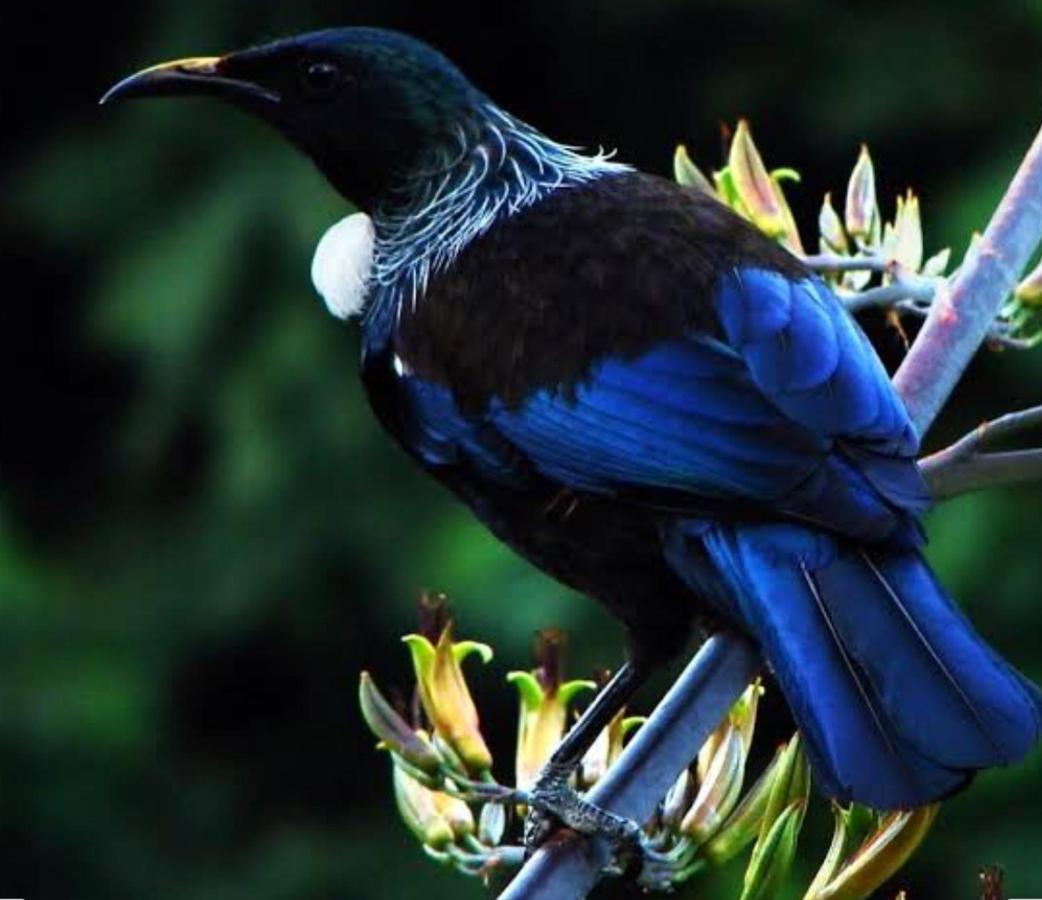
column 553, row 802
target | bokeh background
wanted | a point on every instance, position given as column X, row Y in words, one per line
column 203, row 534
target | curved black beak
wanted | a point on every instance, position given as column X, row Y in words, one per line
column 201, row 75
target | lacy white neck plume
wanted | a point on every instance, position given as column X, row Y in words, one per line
column 502, row 168
column 498, row 167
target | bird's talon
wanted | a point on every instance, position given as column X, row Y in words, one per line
column 553, row 802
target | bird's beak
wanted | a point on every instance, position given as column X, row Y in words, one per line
column 201, row 75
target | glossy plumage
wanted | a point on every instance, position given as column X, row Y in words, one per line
column 646, row 398
column 702, row 401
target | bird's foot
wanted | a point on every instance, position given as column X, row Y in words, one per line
column 553, row 802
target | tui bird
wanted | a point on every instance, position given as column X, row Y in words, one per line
column 642, row 395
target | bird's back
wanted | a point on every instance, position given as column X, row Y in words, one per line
column 611, row 267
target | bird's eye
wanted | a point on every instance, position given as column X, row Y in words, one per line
column 321, row 78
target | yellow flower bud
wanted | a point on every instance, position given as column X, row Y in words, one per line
column 719, row 790
column 1029, row 291
column 445, row 696
column 606, row 748
column 544, row 708
column 721, row 768
column 903, row 241
column 759, row 193
column 456, row 813
column 850, row 827
column 419, row 810
column 889, row 847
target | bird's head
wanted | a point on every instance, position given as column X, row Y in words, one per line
column 368, row 106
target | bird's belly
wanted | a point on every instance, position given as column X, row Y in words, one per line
column 598, row 546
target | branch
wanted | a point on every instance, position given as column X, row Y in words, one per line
column 962, row 467
column 569, row 865
column 964, row 309
column 1001, row 333
column 909, row 293
column 829, row 262
column 916, row 291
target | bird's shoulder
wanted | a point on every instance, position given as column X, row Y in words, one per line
column 608, row 268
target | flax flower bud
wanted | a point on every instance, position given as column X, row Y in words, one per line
column 851, row 824
column 445, row 696
column 544, row 707
column 889, row 847
column 418, row 808
column 903, row 241
column 721, row 768
column 688, row 174
column 862, row 212
column 758, row 191
column 742, row 827
column 775, row 847
column 1029, row 291
column 606, row 748
column 830, row 227
column 392, row 730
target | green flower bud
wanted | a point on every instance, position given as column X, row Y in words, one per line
column 780, row 826
column 392, row 730
column 773, row 854
column 791, row 782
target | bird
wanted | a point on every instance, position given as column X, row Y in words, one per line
column 646, row 398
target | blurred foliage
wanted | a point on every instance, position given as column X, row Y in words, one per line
column 203, row 533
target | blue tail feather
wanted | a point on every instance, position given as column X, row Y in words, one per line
column 900, row 700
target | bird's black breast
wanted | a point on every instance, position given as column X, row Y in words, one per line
column 609, row 267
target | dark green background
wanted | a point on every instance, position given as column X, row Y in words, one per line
column 203, row 534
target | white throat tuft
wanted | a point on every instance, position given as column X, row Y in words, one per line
column 343, row 264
